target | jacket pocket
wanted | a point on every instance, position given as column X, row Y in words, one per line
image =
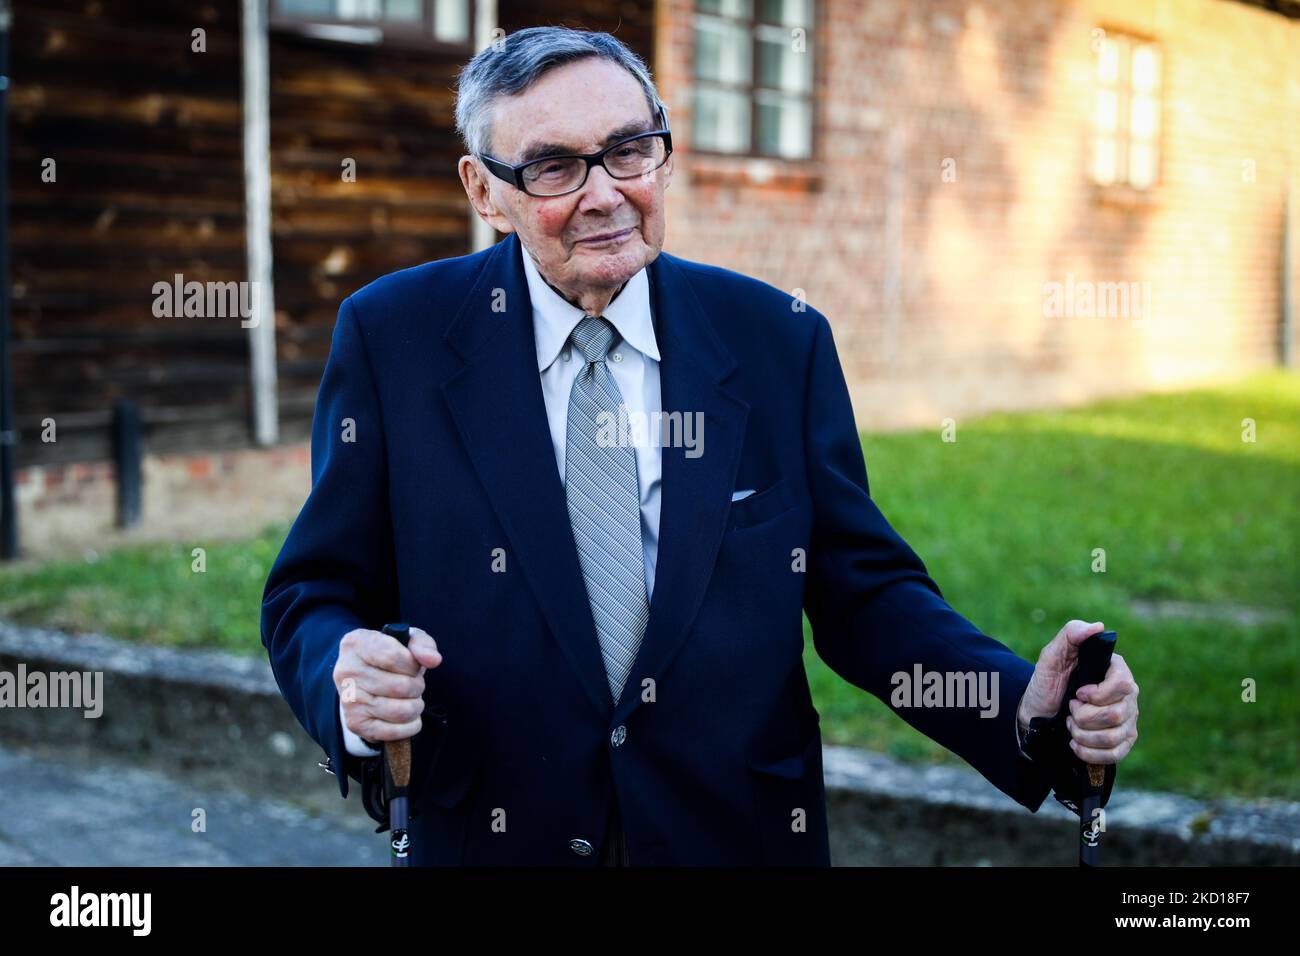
column 760, row 506
column 443, row 781
column 789, row 805
column 444, row 764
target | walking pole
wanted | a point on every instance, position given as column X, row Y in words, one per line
column 1094, row 661
column 397, row 776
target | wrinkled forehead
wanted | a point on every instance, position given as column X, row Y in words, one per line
column 565, row 112
column 547, row 144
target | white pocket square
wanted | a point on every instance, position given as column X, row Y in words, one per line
column 737, row 495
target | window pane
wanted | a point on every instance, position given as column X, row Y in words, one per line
column 1146, row 68
column 721, row 121
column 726, row 8
column 357, row 9
column 1126, row 119
column 721, row 51
column 1141, row 165
column 1144, row 117
column 306, row 8
column 1107, row 112
column 779, row 65
column 451, row 20
column 795, row 13
column 784, row 126
column 1103, row 160
column 405, row 10
column 1108, row 61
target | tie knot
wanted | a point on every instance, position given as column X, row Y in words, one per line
column 593, row 337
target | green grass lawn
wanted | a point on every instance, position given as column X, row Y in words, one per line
column 1006, row 519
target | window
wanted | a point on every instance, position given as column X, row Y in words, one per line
column 753, row 77
column 445, row 21
column 1126, row 114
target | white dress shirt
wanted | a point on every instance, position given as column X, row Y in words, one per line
column 633, row 361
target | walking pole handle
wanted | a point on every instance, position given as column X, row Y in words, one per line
column 397, row 775
column 1094, row 661
column 397, row 753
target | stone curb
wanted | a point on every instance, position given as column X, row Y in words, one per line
column 219, row 717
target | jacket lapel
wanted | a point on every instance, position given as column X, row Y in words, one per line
column 696, row 491
column 496, row 402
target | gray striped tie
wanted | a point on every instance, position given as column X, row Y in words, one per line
column 600, row 484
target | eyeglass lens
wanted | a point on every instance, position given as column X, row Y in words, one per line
column 626, row 161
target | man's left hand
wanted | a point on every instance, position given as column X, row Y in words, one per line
column 1103, row 717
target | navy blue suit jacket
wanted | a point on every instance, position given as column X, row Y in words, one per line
column 714, row 752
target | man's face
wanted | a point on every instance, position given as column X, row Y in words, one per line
column 575, row 107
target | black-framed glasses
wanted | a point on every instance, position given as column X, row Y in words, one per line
column 557, row 175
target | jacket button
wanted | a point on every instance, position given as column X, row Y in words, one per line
column 580, row 847
column 618, row 736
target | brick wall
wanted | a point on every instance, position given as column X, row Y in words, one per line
column 67, row 509
column 935, row 289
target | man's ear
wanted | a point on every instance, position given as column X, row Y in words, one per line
column 476, row 181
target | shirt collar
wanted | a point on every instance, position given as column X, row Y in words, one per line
column 555, row 318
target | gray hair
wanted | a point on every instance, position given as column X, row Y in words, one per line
column 510, row 67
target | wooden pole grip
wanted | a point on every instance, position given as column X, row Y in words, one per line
column 398, row 753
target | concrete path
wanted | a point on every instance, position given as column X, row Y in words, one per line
column 59, row 812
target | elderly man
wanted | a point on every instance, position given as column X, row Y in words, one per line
column 612, row 622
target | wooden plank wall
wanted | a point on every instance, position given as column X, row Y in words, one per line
column 631, row 21
column 390, row 110
column 146, row 137
column 146, row 134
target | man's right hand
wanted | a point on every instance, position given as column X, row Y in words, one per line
column 381, row 683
